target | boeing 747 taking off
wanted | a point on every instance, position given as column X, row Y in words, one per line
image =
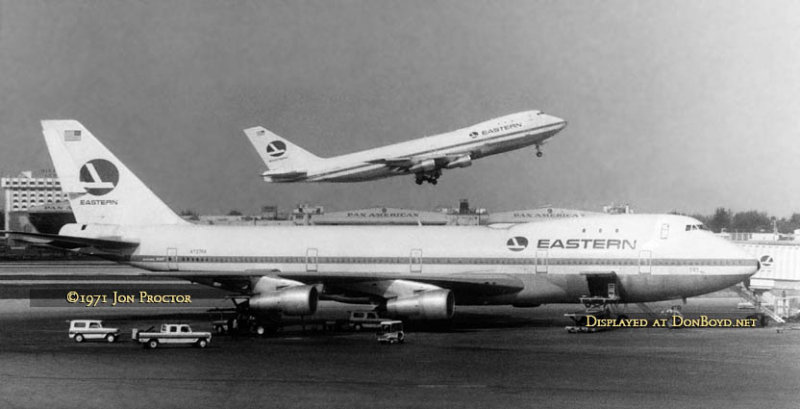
column 406, row 271
column 424, row 157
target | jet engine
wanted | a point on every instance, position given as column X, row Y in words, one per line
column 298, row 300
column 425, row 166
column 460, row 162
column 429, row 305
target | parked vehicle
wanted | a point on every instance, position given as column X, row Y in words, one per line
column 391, row 332
column 364, row 320
column 179, row 334
column 82, row 330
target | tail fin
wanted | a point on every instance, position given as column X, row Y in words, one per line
column 101, row 189
column 280, row 155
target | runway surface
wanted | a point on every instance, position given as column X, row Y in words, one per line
column 488, row 357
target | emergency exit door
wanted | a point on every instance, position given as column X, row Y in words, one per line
column 172, row 259
column 645, row 262
column 415, row 261
column 311, row 260
column 541, row 261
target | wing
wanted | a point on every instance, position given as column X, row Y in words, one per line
column 475, row 283
column 425, row 163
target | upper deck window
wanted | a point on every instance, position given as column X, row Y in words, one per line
column 696, row 227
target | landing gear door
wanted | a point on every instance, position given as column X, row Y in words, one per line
column 172, row 259
column 416, row 261
column 541, row 261
column 645, row 262
column 311, row 260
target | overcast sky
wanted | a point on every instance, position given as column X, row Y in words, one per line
column 671, row 105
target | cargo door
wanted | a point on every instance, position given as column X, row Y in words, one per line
column 603, row 285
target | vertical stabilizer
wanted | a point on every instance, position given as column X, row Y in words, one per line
column 101, row 189
column 280, row 155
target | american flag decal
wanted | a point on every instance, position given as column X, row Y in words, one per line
column 72, row 136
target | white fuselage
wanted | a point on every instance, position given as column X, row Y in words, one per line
column 486, row 138
column 648, row 257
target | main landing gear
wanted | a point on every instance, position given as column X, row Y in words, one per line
column 430, row 177
column 539, row 151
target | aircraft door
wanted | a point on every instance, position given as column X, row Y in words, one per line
column 645, row 262
column 172, row 259
column 541, row 261
column 311, row 260
column 416, row 261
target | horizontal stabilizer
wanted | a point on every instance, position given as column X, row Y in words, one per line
column 71, row 241
column 394, row 162
column 285, row 175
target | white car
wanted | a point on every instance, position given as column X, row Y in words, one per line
column 82, row 330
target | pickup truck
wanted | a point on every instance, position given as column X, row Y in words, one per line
column 171, row 334
column 82, row 330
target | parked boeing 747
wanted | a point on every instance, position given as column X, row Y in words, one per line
column 405, row 271
column 424, row 157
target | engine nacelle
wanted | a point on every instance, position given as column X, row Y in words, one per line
column 299, row 300
column 425, row 166
column 429, row 305
column 460, row 162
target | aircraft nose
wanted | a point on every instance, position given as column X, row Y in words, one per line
column 561, row 123
column 750, row 264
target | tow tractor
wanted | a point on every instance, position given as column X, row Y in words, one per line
column 171, row 334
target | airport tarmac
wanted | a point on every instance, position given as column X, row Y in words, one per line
column 488, row 357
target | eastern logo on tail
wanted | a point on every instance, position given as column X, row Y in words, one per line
column 99, row 177
column 276, row 149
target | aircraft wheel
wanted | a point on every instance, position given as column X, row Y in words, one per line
column 539, row 154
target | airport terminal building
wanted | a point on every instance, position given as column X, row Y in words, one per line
column 35, row 199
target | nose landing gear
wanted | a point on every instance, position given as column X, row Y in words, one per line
column 539, row 151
